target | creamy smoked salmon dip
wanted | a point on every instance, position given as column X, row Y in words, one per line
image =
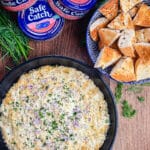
column 54, row 108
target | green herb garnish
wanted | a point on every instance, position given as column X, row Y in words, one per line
column 127, row 110
column 49, row 95
column 54, row 125
column 13, row 42
column 14, row 143
column 62, row 116
column 74, row 113
column 118, row 91
column 41, row 115
column 140, row 99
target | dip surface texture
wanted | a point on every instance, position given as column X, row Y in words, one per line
column 54, row 107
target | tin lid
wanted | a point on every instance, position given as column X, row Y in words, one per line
column 80, row 4
column 15, row 5
column 40, row 22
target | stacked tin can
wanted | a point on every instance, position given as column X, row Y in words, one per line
column 72, row 9
column 17, row 5
column 44, row 19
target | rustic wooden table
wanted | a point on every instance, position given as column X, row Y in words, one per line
column 133, row 134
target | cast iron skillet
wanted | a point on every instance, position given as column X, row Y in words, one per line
column 13, row 76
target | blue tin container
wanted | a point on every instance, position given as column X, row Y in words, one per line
column 82, row 5
column 17, row 5
column 72, row 9
column 40, row 22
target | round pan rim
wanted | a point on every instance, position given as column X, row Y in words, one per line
column 96, row 72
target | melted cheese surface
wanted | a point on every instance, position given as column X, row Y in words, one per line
column 54, row 108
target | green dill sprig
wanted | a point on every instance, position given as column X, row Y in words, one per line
column 118, row 91
column 127, row 110
column 13, row 42
column 140, row 98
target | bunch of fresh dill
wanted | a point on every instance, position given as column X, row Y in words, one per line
column 13, row 42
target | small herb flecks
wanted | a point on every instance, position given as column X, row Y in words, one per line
column 140, row 99
column 48, row 113
column 62, row 140
column 44, row 144
column 127, row 110
column 49, row 131
column 45, row 122
column 118, row 92
column 17, row 104
column 62, row 116
column 14, row 142
column 27, row 99
column 54, row 125
column 74, row 113
column 49, row 95
column 41, row 115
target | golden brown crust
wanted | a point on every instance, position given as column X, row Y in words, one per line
column 84, row 147
column 100, row 45
column 108, row 56
column 124, row 70
column 128, row 51
column 108, row 36
column 133, row 11
column 110, row 9
column 143, row 35
column 8, row 99
column 143, row 50
column 115, row 45
column 94, row 35
column 122, row 21
column 143, row 16
column 94, row 30
column 142, row 68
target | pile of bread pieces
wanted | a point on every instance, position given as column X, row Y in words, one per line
column 123, row 36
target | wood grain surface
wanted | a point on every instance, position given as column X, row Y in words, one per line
column 133, row 134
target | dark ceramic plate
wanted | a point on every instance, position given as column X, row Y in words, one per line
column 92, row 48
column 13, row 76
